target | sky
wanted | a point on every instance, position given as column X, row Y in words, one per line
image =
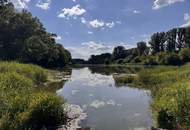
column 87, row 27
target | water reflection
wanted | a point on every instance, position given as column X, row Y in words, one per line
column 107, row 107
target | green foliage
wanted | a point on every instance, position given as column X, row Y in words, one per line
column 121, row 80
column 170, row 88
column 21, row 106
column 184, row 54
column 33, row 72
column 100, row 59
column 172, row 59
column 24, row 38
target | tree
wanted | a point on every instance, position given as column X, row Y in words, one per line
column 142, row 48
column 119, row 52
column 187, row 37
column 171, row 40
column 24, row 38
column 185, row 54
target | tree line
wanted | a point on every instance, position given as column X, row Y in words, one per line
column 165, row 48
column 23, row 38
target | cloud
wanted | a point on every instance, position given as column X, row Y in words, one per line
column 136, row 12
column 44, row 4
column 163, row 3
column 20, row 4
column 89, row 48
column 101, row 24
column 110, row 25
column 72, row 12
column 94, row 48
column 186, row 17
column 58, row 37
column 89, row 32
column 83, row 20
column 96, row 23
column 187, row 20
column 118, row 22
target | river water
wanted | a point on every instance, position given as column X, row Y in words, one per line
column 108, row 106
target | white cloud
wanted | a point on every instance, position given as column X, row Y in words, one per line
column 58, row 37
column 94, row 48
column 96, row 23
column 136, row 12
column 187, row 20
column 89, row 48
column 118, row 22
column 89, row 32
column 110, row 25
column 83, row 20
column 186, row 16
column 20, row 4
column 162, row 3
column 44, row 4
column 72, row 12
column 101, row 24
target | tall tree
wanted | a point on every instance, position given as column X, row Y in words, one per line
column 171, row 40
column 142, row 48
column 119, row 52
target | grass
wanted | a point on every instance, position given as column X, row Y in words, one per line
column 170, row 88
column 22, row 107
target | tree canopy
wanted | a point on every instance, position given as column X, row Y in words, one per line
column 24, row 38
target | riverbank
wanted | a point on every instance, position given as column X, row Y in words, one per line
column 22, row 105
column 170, row 88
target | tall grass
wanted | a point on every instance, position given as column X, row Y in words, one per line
column 35, row 73
column 21, row 107
column 170, row 88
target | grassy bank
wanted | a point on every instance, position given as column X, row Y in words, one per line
column 21, row 106
column 170, row 87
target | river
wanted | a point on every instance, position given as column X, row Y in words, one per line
column 107, row 106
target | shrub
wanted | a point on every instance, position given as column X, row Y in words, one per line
column 172, row 59
column 35, row 73
column 44, row 110
column 184, row 54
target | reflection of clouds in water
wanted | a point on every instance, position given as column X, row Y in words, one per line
column 137, row 114
column 89, row 79
column 111, row 102
column 99, row 104
column 73, row 92
column 91, row 95
column 142, row 128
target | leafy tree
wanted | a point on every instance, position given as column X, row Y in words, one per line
column 171, row 40
column 185, row 55
column 24, row 38
column 119, row 52
column 142, row 48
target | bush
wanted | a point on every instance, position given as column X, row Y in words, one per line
column 151, row 60
column 184, row 54
column 35, row 73
column 44, row 110
column 172, row 59
column 175, row 102
column 124, row 79
column 21, row 107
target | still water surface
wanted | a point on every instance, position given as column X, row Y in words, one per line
column 107, row 105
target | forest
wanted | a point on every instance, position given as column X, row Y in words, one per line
column 24, row 39
column 164, row 48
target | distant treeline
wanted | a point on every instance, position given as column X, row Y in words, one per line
column 23, row 38
column 164, row 48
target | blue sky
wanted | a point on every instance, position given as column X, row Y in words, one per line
column 88, row 27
